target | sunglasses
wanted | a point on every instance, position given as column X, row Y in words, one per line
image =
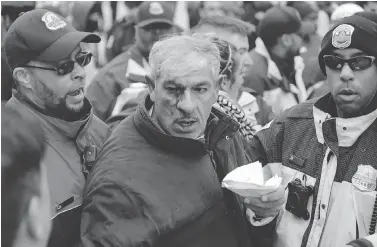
column 355, row 63
column 67, row 67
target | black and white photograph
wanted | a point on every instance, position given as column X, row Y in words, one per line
column 188, row 123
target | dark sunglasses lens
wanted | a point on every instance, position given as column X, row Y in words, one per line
column 84, row 59
column 333, row 62
column 65, row 68
column 360, row 63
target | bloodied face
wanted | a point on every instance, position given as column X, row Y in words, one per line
column 183, row 100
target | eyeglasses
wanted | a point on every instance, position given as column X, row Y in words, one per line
column 67, row 67
column 355, row 63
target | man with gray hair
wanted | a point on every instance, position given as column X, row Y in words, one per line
column 157, row 180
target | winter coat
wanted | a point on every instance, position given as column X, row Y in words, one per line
column 70, row 153
column 152, row 189
column 338, row 157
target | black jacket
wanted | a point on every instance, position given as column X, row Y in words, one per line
column 152, row 189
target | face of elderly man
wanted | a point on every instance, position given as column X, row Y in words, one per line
column 186, row 87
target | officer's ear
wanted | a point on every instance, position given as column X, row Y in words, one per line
column 22, row 76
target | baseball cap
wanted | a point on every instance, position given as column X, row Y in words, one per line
column 277, row 21
column 154, row 12
column 43, row 36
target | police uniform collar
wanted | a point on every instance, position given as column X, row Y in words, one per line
column 87, row 109
column 345, row 130
column 67, row 129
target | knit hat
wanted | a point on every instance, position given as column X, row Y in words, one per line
column 351, row 32
column 278, row 21
column 372, row 16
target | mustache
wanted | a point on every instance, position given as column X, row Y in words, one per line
column 186, row 118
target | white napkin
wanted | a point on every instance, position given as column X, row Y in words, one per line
column 248, row 180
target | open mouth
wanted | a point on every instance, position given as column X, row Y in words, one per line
column 186, row 125
column 76, row 92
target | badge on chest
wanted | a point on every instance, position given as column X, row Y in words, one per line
column 365, row 178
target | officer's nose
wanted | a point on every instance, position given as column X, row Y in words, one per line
column 78, row 72
column 346, row 74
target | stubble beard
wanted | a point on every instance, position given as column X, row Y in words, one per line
column 58, row 106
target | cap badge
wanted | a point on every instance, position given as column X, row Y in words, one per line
column 365, row 178
column 52, row 21
column 342, row 36
column 155, row 8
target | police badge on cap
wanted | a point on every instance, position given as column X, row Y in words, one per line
column 156, row 9
column 365, row 178
column 52, row 21
column 342, row 36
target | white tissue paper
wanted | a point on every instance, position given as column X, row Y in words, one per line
column 248, row 180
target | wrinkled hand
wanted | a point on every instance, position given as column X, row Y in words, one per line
column 268, row 205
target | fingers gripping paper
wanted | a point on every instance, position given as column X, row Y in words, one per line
column 248, row 180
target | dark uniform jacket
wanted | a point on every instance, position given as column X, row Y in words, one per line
column 338, row 157
column 152, row 189
column 71, row 151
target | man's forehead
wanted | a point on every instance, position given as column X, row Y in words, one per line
column 187, row 75
column 188, row 80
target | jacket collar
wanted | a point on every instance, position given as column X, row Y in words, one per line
column 219, row 125
column 68, row 129
column 348, row 130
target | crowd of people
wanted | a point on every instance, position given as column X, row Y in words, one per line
column 120, row 121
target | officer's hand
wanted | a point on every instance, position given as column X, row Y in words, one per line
column 268, row 205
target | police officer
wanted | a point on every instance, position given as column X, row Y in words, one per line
column 325, row 151
column 46, row 58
